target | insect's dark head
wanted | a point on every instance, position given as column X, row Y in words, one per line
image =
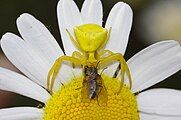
column 90, row 71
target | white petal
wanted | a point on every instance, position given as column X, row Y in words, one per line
column 14, row 82
column 92, row 12
column 68, row 17
column 120, row 20
column 21, row 113
column 38, row 37
column 25, row 58
column 145, row 116
column 160, row 101
column 35, row 35
column 155, row 63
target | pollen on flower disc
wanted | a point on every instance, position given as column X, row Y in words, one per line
column 67, row 103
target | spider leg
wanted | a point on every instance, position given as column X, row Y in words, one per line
column 78, row 55
column 55, row 69
column 74, row 40
column 124, row 67
column 103, row 53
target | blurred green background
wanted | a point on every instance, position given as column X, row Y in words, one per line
column 154, row 20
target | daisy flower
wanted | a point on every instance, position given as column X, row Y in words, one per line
column 35, row 53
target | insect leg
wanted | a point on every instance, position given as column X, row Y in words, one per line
column 117, row 71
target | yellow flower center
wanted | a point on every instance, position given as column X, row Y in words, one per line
column 67, row 103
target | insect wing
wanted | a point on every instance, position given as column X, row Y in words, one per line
column 102, row 95
column 85, row 90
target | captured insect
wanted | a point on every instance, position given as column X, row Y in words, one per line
column 93, row 86
column 90, row 39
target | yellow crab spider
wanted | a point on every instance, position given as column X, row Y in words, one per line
column 90, row 39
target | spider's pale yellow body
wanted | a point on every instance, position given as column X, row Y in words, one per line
column 90, row 40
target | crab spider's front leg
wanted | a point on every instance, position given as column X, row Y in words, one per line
column 101, row 54
column 79, row 55
column 124, row 66
column 55, row 68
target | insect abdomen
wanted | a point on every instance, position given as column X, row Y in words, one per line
column 92, row 89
